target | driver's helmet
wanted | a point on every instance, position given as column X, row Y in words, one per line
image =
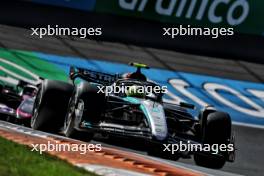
column 135, row 91
column 137, row 76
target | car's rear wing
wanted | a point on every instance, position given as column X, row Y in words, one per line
column 93, row 76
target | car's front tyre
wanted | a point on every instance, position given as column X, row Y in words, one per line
column 216, row 130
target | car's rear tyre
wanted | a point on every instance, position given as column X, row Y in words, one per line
column 217, row 130
column 50, row 105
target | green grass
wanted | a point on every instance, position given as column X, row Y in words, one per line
column 18, row 160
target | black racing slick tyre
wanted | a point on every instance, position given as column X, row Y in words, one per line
column 51, row 105
column 70, row 122
column 89, row 105
column 94, row 102
column 68, row 127
column 217, row 130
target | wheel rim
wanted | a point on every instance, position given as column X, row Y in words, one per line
column 68, row 118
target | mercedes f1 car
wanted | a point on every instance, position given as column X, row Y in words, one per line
column 80, row 108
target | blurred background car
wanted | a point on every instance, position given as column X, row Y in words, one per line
column 23, row 113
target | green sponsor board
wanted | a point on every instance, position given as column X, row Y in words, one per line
column 27, row 66
column 245, row 16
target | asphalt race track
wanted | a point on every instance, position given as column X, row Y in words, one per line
column 249, row 141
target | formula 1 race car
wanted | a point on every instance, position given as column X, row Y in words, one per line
column 88, row 105
column 16, row 102
column 12, row 96
column 9, row 96
column 23, row 113
column 6, row 112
